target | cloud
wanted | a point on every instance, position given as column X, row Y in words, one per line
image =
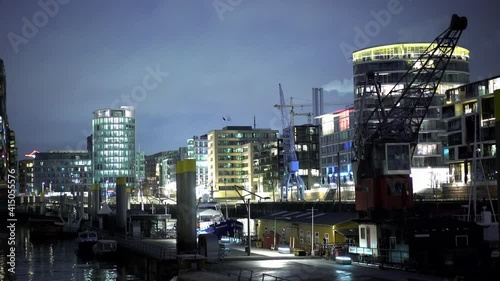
column 342, row 87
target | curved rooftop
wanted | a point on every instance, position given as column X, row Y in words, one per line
column 401, row 51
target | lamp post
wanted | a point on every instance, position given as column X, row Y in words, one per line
column 286, row 218
column 247, row 205
column 312, row 230
column 249, row 236
column 225, row 195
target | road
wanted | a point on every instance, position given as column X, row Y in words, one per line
column 312, row 270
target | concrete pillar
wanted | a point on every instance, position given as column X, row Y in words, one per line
column 82, row 203
column 186, row 206
column 121, row 203
column 93, row 201
column 42, row 202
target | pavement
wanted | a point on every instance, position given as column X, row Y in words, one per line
column 238, row 265
column 237, row 252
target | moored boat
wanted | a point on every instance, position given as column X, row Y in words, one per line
column 84, row 242
column 105, row 248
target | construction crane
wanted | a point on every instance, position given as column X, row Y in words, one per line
column 292, row 107
column 292, row 182
column 387, row 133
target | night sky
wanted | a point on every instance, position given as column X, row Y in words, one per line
column 209, row 59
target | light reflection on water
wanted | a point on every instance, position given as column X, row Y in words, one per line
column 56, row 261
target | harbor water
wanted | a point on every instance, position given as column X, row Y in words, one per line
column 55, row 260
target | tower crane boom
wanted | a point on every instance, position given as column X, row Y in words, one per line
column 293, row 106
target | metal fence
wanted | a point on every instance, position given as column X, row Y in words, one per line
column 269, row 277
column 231, row 271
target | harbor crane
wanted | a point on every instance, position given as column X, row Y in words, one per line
column 387, row 133
column 292, row 182
column 292, row 107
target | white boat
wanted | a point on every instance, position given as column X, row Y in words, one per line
column 207, row 214
column 105, row 248
column 71, row 226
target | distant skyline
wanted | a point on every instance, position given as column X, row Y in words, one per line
column 186, row 64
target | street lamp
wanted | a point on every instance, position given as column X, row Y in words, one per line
column 225, row 195
column 247, row 204
column 312, row 230
column 285, row 218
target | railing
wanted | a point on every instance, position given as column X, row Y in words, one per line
column 479, row 218
column 383, row 257
column 266, row 277
column 155, row 251
column 232, row 271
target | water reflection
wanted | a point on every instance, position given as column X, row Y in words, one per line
column 56, row 261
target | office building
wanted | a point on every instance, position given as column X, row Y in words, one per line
column 307, row 149
column 469, row 113
column 140, row 168
column 231, row 160
column 3, row 129
column 61, row 171
column 390, row 63
column 113, row 145
column 197, row 148
column 336, row 149
column 25, row 176
column 8, row 148
column 269, row 168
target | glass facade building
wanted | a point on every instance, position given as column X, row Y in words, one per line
column 336, row 146
column 113, row 145
column 390, row 63
column 197, row 148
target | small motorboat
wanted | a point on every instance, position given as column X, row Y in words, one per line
column 105, row 248
column 84, row 242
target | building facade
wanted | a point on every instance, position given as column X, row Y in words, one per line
column 113, row 145
column 269, row 168
column 197, row 148
column 61, row 171
column 140, row 168
column 3, row 129
column 230, row 161
column 26, row 176
column 390, row 63
column 307, row 149
column 469, row 113
column 168, row 174
column 336, row 150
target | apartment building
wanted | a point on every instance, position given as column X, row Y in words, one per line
column 231, row 158
column 470, row 145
